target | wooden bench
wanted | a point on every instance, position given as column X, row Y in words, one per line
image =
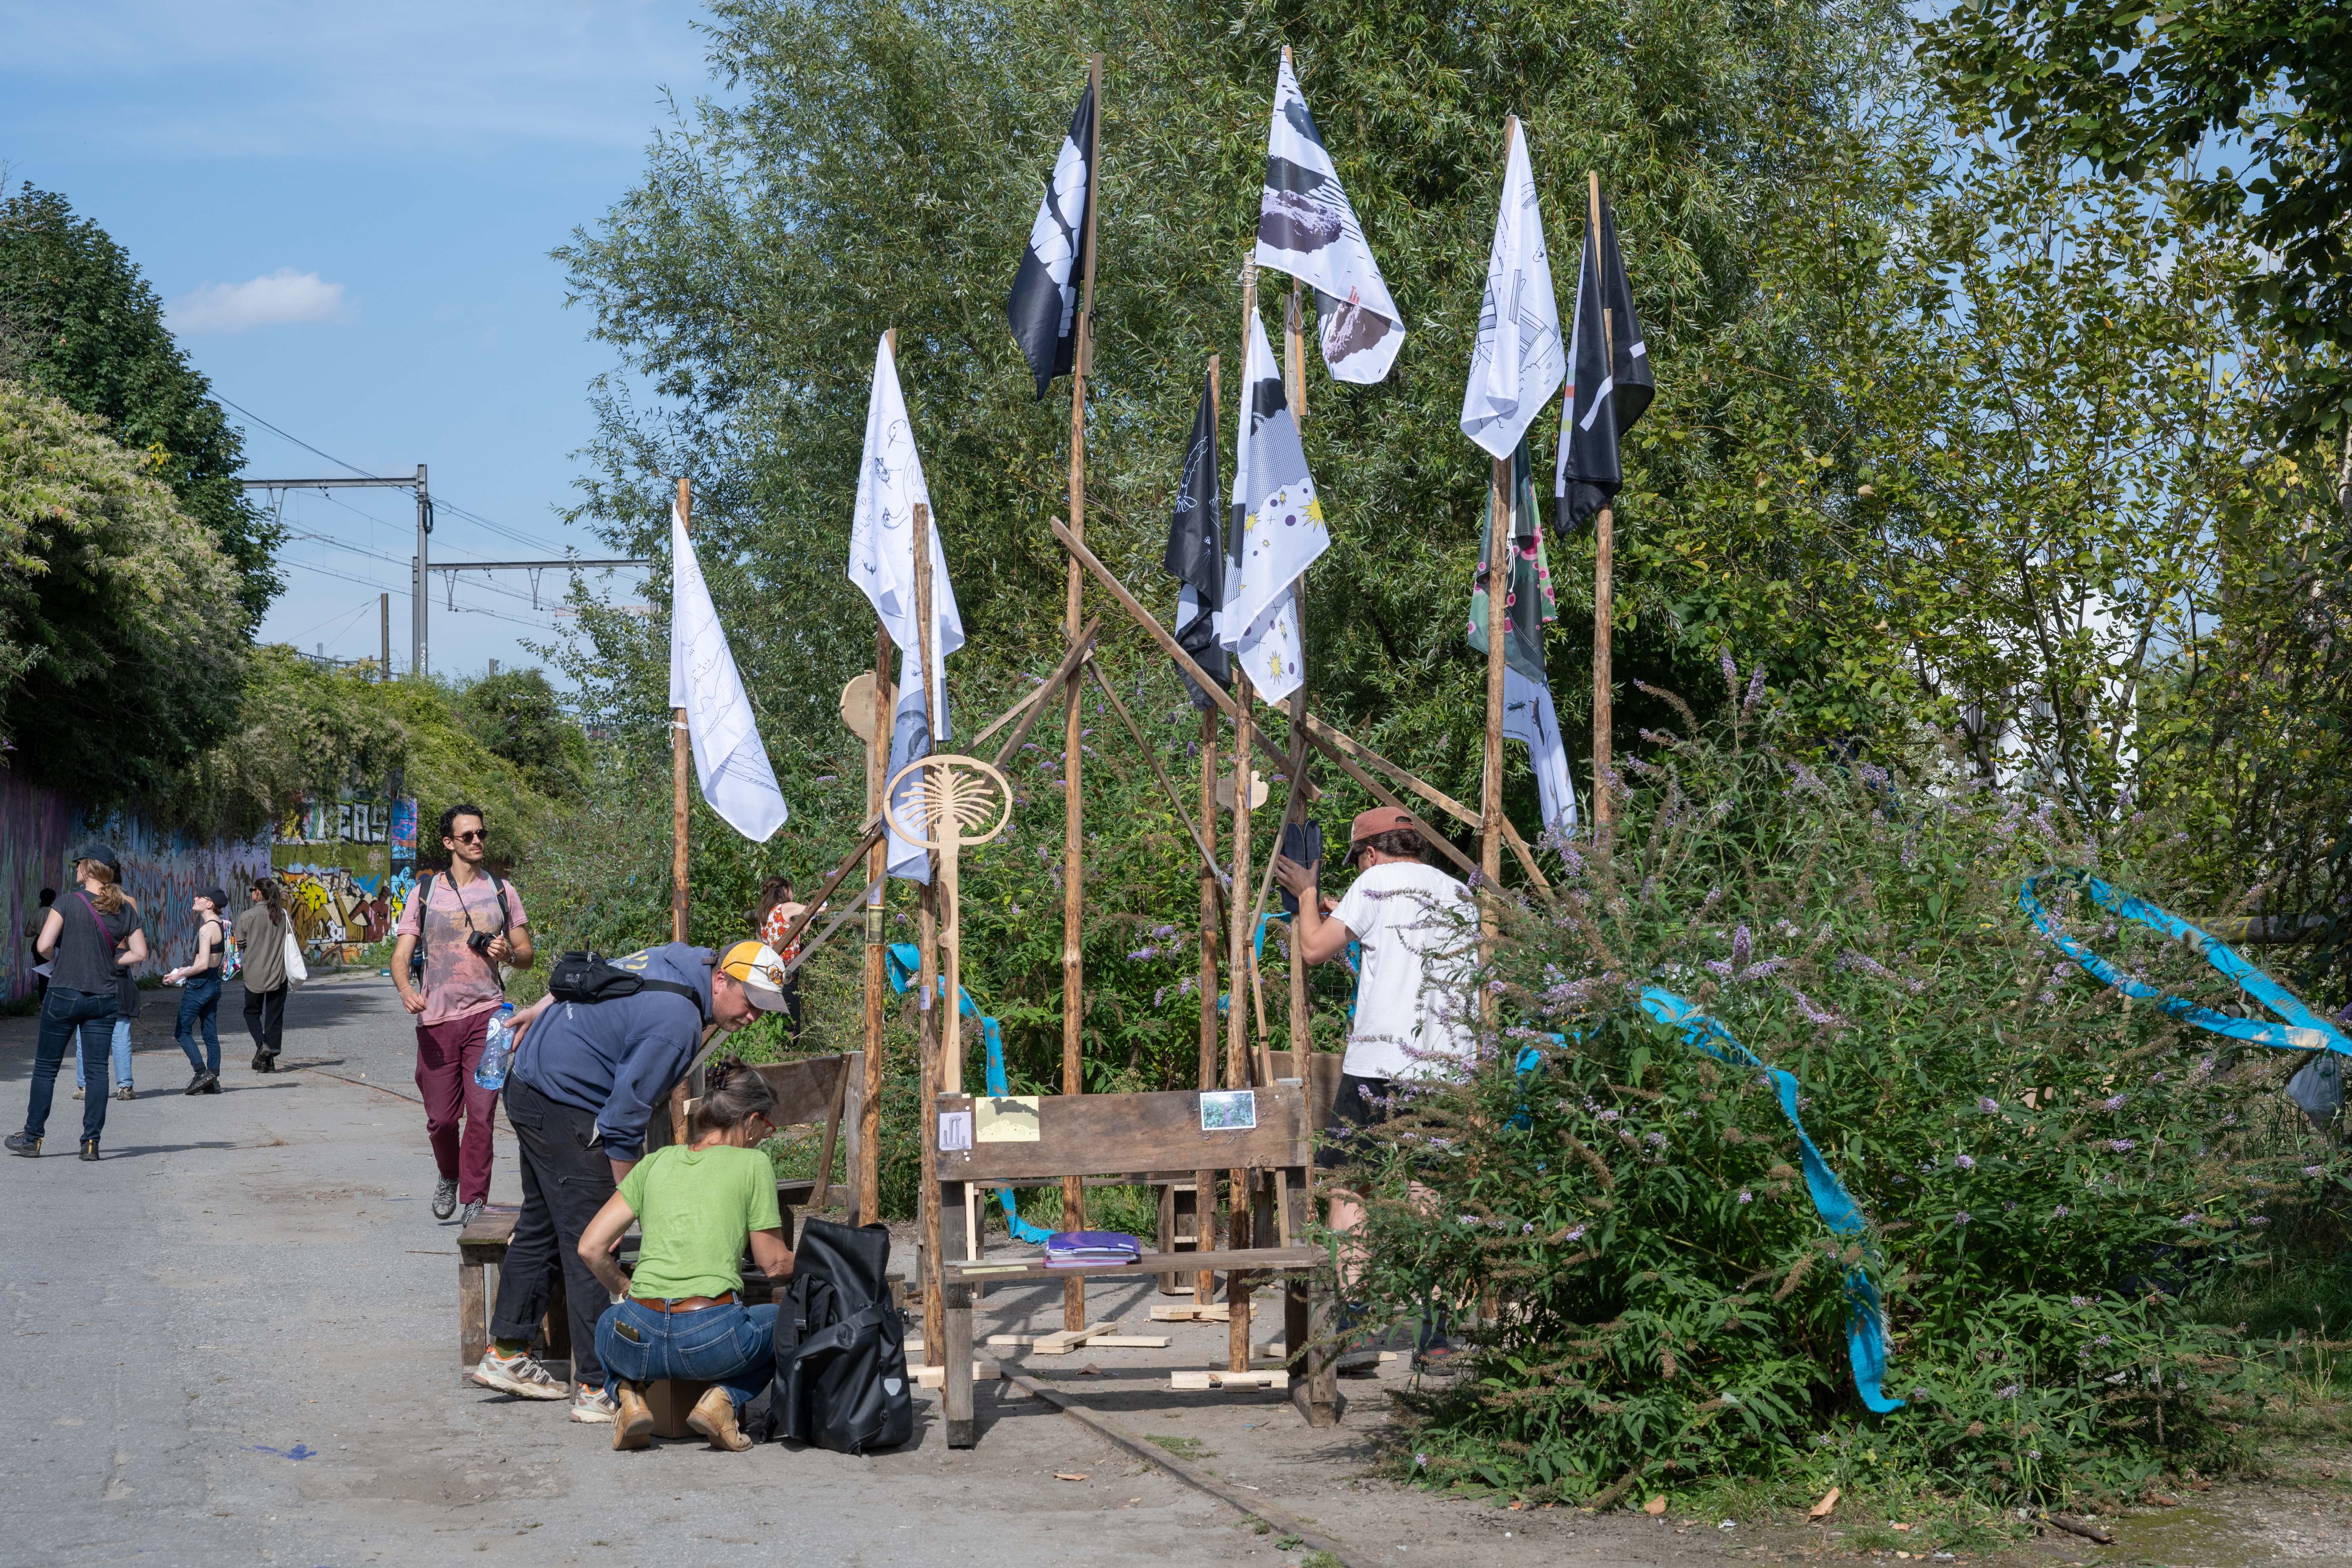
column 810, row 1090
column 1095, row 1134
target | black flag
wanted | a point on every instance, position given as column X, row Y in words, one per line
column 1196, row 554
column 1608, row 386
column 1044, row 308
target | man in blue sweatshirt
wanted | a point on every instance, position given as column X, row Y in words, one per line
column 585, row 1080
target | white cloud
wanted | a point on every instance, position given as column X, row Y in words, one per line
column 283, row 298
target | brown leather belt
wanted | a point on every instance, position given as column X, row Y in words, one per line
column 690, row 1303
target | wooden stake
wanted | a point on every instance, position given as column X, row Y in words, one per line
column 1293, row 354
column 930, row 1036
column 1205, row 1183
column 1604, row 550
column 681, row 766
column 1074, row 859
column 1239, row 967
column 870, row 1108
column 1499, row 589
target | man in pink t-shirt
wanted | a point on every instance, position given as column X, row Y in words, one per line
column 470, row 923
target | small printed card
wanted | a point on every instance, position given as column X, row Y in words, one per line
column 955, row 1132
column 1005, row 1118
column 1228, row 1110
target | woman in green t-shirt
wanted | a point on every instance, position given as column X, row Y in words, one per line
column 683, row 1314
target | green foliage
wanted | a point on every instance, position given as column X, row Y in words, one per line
column 303, row 732
column 2051, row 1179
column 446, row 762
column 121, row 641
column 518, row 716
column 2252, row 101
column 78, row 322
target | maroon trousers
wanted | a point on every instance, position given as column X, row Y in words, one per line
column 445, row 1055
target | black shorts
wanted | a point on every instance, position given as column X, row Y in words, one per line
column 1360, row 1102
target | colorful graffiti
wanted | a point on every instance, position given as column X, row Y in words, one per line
column 39, row 829
column 338, row 911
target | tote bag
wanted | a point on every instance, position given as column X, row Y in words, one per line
column 297, row 971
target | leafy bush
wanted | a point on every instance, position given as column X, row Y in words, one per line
column 2050, row 1176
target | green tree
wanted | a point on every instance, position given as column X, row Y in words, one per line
column 79, row 322
column 121, row 640
column 303, row 732
column 516, row 714
column 2251, row 99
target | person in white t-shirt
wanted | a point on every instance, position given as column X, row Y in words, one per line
column 1415, row 923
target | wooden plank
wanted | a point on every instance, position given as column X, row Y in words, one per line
column 1081, row 1135
column 1321, row 1078
column 1249, row 1260
column 1194, row 1313
column 809, row 1090
column 983, row 1370
column 1200, row 1382
column 473, row 1310
column 1068, row 1340
column 1096, row 1340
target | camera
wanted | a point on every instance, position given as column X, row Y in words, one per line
column 481, row 940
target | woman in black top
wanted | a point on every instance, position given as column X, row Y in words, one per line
column 88, row 933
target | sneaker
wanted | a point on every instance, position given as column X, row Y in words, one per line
column 212, row 1083
column 471, row 1211
column 445, row 1198
column 77, row 1092
column 123, row 1092
column 633, row 1424
column 519, row 1375
column 89, row 1148
column 261, row 1061
column 25, row 1144
column 592, row 1405
column 713, row 1415
column 196, row 1085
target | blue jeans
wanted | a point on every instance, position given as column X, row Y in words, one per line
column 122, row 1057
column 200, row 1005
column 734, row 1346
column 63, row 1015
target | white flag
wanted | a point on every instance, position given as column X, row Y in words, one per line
column 1306, row 228
column 1278, row 530
column 728, row 759
column 1518, row 363
column 1528, row 715
column 882, row 564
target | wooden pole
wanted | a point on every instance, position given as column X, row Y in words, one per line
column 1205, row 1183
column 1294, row 354
column 1074, row 861
column 870, row 1108
column 1604, row 550
column 1499, row 588
column 1240, row 970
column 681, row 765
column 927, row 1014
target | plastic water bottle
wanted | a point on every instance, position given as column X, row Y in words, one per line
column 497, row 1049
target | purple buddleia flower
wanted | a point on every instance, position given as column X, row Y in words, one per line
column 1961, row 1219
column 2060, row 1211
column 1730, row 670
column 1810, row 1013
column 1989, row 1105
column 2012, row 1392
column 1746, row 1197
column 2120, row 1145
column 2113, row 1103
column 1755, row 692
column 1743, row 946
column 1965, row 1163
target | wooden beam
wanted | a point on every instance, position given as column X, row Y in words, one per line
column 1175, row 804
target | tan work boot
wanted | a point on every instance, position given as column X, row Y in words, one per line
column 633, row 1427
column 713, row 1415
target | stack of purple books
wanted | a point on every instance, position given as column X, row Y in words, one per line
column 1091, row 1250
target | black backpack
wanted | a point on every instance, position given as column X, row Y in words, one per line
column 840, row 1346
column 589, row 977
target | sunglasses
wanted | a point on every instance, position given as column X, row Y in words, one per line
column 474, row 837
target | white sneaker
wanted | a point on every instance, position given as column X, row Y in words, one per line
column 591, row 1404
column 519, row 1375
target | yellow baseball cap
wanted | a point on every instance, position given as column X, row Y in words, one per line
column 760, row 970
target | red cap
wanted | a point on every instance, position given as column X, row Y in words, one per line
column 1380, row 819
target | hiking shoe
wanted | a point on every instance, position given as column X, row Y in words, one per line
column 472, row 1212
column 592, row 1405
column 633, row 1425
column 24, row 1143
column 445, row 1198
column 89, row 1148
column 519, row 1375
column 713, row 1415
column 123, row 1092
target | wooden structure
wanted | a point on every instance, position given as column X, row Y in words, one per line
column 814, row 1090
column 1071, row 1137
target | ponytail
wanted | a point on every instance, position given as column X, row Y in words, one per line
column 270, row 895
column 732, row 1094
column 108, row 897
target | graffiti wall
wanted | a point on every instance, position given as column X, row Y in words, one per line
column 347, row 866
column 40, row 829
column 338, row 911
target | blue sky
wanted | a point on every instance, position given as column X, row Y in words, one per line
column 349, row 208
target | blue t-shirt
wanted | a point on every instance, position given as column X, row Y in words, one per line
column 620, row 1058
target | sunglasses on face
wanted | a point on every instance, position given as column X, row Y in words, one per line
column 476, row 836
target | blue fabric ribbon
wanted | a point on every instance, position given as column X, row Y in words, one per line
column 1865, row 1320
column 2303, row 1031
column 905, row 959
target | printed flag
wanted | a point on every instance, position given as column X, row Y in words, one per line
column 1044, row 307
column 721, row 730
column 1609, row 376
column 1278, row 530
column 1529, row 716
column 1529, row 713
column 882, row 564
column 1196, row 553
column 1518, row 362
column 1306, row 228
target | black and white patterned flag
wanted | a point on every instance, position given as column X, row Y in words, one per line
column 1306, row 228
column 1044, row 308
column 1196, row 553
column 1609, row 377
